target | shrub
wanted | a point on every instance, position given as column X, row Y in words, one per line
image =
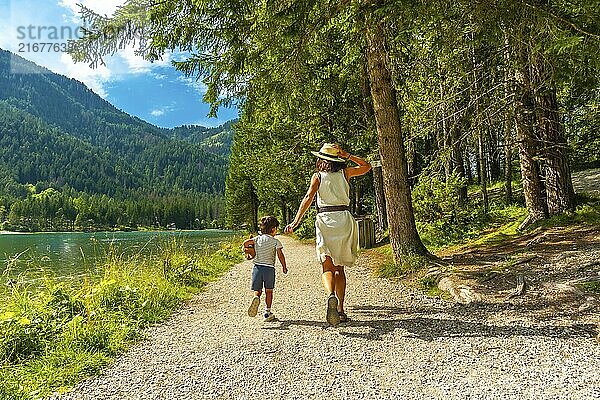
column 436, row 200
column 439, row 216
column 306, row 230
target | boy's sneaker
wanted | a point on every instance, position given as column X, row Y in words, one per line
column 333, row 317
column 269, row 317
column 253, row 309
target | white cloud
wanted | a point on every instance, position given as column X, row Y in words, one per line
column 197, row 85
column 104, row 7
column 160, row 111
column 137, row 65
column 95, row 79
column 124, row 63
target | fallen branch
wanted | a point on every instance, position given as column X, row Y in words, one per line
column 524, row 260
column 520, row 289
column 488, row 277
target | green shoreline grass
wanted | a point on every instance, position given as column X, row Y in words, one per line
column 54, row 336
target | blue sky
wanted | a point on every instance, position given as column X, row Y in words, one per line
column 156, row 93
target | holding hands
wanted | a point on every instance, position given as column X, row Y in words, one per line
column 290, row 228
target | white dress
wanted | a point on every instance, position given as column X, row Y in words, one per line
column 337, row 231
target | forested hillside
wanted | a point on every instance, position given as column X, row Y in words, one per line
column 56, row 133
column 215, row 140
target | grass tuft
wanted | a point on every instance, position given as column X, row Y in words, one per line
column 591, row 286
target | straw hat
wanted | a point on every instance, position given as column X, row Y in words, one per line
column 329, row 153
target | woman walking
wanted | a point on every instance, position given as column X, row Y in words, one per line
column 336, row 229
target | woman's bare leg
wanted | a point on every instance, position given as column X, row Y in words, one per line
column 340, row 286
column 329, row 283
column 328, row 276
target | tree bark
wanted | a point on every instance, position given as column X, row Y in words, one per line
column 508, row 155
column 493, row 154
column 482, row 169
column 284, row 216
column 457, row 160
column 380, row 202
column 508, row 123
column 413, row 163
column 560, row 196
column 481, row 155
column 468, row 166
column 404, row 237
column 524, row 116
column 254, row 202
column 380, row 199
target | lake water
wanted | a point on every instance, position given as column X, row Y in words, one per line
column 74, row 254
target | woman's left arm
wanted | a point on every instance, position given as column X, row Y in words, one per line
column 361, row 168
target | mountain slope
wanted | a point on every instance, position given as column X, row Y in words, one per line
column 37, row 153
column 216, row 140
column 67, row 127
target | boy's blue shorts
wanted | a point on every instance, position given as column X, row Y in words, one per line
column 263, row 275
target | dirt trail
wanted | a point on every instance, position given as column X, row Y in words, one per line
column 399, row 344
column 540, row 275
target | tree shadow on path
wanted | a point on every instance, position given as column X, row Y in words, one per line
column 389, row 319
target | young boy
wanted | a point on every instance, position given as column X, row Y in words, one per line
column 265, row 247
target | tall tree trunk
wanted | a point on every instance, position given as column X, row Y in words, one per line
column 508, row 154
column 254, row 202
column 445, row 144
column 508, row 123
column 481, row 155
column 560, row 196
column 404, row 237
column 524, row 116
column 482, row 169
column 468, row 166
column 493, row 144
column 284, row 216
column 459, row 166
column 413, row 163
column 380, row 199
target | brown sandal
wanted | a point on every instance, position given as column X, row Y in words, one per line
column 343, row 317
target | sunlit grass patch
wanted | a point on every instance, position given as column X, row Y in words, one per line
column 591, row 286
column 587, row 214
column 387, row 268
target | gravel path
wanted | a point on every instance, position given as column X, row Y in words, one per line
column 587, row 181
column 399, row 345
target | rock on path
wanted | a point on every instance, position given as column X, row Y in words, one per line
column 398, row 345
